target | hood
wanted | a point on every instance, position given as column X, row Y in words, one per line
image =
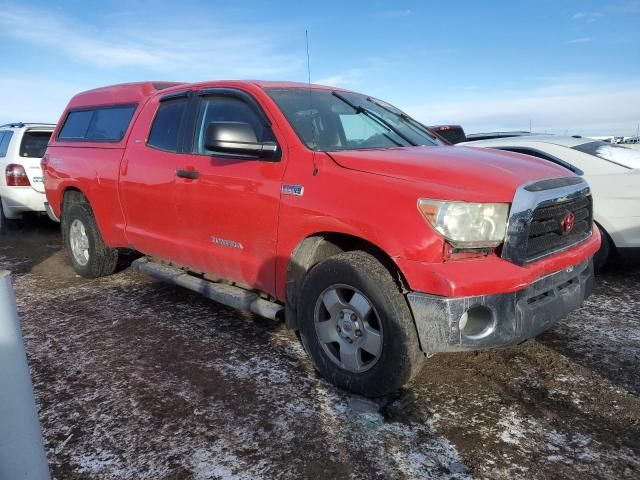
column 462, row 173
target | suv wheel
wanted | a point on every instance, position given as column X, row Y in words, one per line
column 356, row 325
column 4, row 221
column 90, row 256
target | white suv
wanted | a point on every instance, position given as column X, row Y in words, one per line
column 22, row 146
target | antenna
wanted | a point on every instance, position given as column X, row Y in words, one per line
column 315, row 130
column 306, row 36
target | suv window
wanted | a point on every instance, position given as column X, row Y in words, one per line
column 5, row 138
column 101, row 124
column 166, row 126
column 34, row 144
column 228, row 109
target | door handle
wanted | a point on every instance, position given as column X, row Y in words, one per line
column 192, row 174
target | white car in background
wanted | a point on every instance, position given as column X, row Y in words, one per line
column 613, row 171
column 22, row 146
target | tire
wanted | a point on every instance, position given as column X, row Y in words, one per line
column 5, row 222
column 89, row 255
column 602, row 255
column 343, row 282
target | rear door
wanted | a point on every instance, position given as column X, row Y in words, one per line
column 148, row 177
column 228, row 215
column 31, row 150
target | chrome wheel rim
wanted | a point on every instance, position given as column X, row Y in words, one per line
column 348, row 328
column 79, row 242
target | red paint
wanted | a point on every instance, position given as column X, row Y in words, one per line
column 140, row 203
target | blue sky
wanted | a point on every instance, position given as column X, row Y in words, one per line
column 564, row 65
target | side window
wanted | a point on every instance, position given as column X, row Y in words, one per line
column 76, row 125
column 5, row 138
column 101, row 124
column 110, row 123
column 228, row 109
column 166, row 125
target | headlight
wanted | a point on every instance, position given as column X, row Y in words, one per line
column 467, row 225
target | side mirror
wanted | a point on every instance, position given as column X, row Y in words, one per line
column 237, row 138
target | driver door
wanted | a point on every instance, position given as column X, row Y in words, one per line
column 228, row 211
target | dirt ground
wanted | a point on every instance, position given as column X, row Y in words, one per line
column 136, row 379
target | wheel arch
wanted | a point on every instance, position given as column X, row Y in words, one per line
column 319, row 246
column 71, row 194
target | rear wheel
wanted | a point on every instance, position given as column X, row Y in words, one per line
column 4, row 221
column 356, row 325
column 90, row 256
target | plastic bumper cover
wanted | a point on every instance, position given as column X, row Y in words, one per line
column 506, row 319
column 17, row 200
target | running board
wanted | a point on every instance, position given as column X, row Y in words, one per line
column 229, row 295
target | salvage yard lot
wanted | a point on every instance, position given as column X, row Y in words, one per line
column 136, row 379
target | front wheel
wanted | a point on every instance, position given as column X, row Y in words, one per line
column 90, row 256
column 357, row 326
column 603, row 254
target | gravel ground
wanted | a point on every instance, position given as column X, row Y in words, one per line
column 136, row 379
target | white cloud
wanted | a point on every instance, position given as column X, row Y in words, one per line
column 347, row 79
column 588, row 17
column 222, row 50
column 580, row 40
column 393, row 13
column 597, row 108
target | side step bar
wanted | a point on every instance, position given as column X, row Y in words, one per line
column 229, row 295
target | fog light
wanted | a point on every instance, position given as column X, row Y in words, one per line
column 477, row 322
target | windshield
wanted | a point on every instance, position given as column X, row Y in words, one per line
column 626, row 157
column 329, row 121
column 34, row 144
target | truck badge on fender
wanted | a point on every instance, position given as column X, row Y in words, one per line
column 295, row 190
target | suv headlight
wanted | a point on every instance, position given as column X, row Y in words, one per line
column 467, row 225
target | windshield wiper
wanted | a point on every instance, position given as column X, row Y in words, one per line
column 405, row 117
column 376, row 118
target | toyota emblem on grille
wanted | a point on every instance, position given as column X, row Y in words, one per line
column 567, row 223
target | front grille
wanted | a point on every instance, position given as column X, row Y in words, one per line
column 546, row 233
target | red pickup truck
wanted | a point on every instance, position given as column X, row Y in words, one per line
column 331, row 209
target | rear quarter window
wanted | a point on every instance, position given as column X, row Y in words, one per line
column 5, row 139
column 100, row 124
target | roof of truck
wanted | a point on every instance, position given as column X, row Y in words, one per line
column 133, row 92
column 121, row 93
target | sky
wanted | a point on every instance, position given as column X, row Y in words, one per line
column 563, row 66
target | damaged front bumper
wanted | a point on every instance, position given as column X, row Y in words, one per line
column 448, row 324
